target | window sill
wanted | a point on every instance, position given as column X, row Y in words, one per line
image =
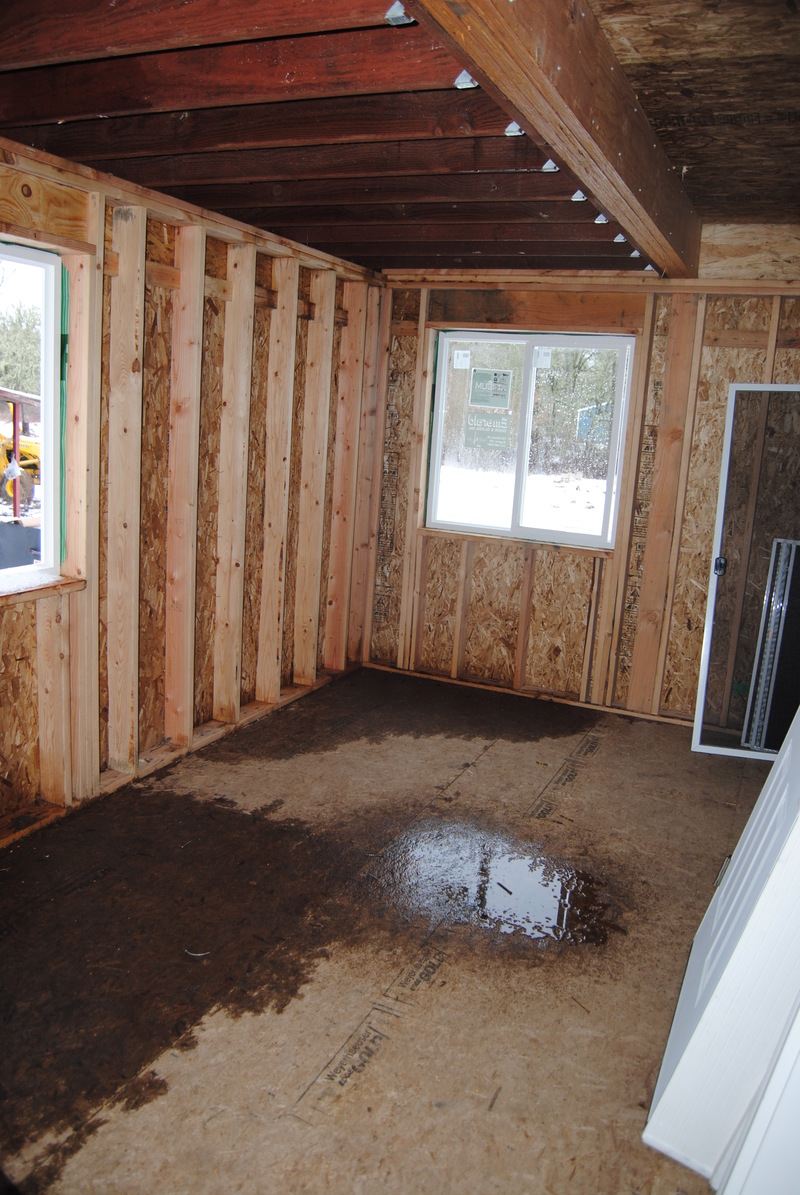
column 18, row 585
column 498, row 537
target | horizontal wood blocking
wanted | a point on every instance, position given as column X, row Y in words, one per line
column 43, row 207
column 551, row 312
column 158, row 274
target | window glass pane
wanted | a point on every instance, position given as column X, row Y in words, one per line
column 483, row 391
column 526, row 434
column 571, row 424
column 28, row 393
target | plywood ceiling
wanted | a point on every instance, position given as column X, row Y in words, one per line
column 322, row 122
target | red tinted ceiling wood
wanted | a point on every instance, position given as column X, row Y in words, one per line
column 335, row 64
column 58, row 31
column 305, row 108
column 334, row 120
column 427, row 188
column 439, row 156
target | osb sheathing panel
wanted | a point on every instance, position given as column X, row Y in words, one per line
column 19, row 726
column 394, row 499
column 153, row 527
column 216, row 258
column 644, row 486
column 207, row 493
column 160, row 242
column 405, row 306
column 560, row 604
column 735, row 313
column 719, row 367
column 493, row 612
column 102, row 629
column 329, row 455
column 777, row 515
column 293, row 493
column 441, row 600
column 256, row 455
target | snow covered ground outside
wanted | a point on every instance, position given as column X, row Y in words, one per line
column 557, row 502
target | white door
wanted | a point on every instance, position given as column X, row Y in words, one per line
column 740, row 992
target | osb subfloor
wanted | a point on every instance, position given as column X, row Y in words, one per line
column 400, row 936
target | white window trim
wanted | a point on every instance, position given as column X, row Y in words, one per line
column 48, row 569
column 603, row 541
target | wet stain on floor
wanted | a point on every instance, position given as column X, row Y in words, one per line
column 123, row 925
column 467, row 874
column 373, row 705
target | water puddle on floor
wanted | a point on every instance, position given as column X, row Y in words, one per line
column 463, row 874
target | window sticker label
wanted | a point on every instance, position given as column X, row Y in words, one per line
column 491, row 388
column 487, row 430
column 461, row 358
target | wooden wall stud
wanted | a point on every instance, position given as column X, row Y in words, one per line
column 236, row 375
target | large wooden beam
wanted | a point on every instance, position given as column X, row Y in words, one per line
column 341, row 120
column 548, row 63
column 326, row 64
column 71, row 30
column 440, row 156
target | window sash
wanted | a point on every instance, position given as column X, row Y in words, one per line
column 518, row 528
column 48, row 565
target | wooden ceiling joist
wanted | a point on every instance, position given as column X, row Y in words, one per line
column 425, row 188
column 578, row 217
column 56, row 31
column 403, row 233
column 543, row 249
column 548, row 64
column 468, row 258
column 440, row 156
column 309, row 116
column 339, row 120
column 318, row 65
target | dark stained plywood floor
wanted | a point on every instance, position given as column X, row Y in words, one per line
column 399, row 936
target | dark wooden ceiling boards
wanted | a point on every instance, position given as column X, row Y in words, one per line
column 321, row 122
column 720, row 82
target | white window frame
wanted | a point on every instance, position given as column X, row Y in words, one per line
column 47, row 568
column 625, row 345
